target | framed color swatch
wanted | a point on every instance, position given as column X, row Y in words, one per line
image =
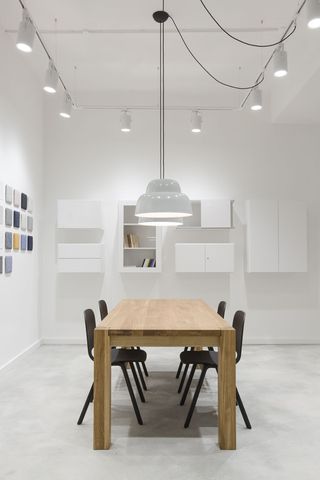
column 8, row 194
column 8, row 241
column 16, row 198
column 1, row 265
column 30, row 243
column 16, row 241
column 16, row 219
column 24, row 201
column 1, row 239
column 30, row 204
column 8, row 216
column 23, row 242
column 8, row 265
column 1, row 215
column 29, row 224
column 23, row 221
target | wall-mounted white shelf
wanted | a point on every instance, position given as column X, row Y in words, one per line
column 80, row 265
column 146, row 242
column 80, row 250
column 276, row 236
column 215, row 213
column 204, row 257
column 81, row 214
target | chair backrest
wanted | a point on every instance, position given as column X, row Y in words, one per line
column 90, row 323
column 221, row 308
column 103, row 309
column 238, row 325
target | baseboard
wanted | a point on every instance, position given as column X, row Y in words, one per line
column 34, row 346
column 63, row 341
column 248, row 341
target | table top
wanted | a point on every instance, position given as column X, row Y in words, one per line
column 163, row 317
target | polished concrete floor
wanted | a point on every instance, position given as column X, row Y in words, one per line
column 42, row 395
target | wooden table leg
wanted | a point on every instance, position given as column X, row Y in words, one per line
column 227, row 390
column 102, row 391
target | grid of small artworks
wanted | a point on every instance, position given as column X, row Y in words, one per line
column 16, row 226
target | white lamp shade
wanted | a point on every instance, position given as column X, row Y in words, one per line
column 125, row 121
column 196, row 122
column 313, row 14
column 163, row 199
column 51, row 80
column 256, row 99
column 280, row 62
column 65, row 110
column 160, row 222
column 26, row 33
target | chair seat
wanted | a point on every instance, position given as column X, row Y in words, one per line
column 121, row 355
column 200, row 358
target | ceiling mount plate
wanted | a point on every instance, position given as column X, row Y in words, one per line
column 160, row 16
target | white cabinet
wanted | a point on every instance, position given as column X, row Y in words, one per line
column 80, row 250
column 216, row 213
column 190, row 257
column 262, row 236
column 276, row 236
column 292, row 237
column 204, row 257
column 220, row 257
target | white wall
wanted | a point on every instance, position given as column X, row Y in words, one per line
column 238, row 155
column 21, row 154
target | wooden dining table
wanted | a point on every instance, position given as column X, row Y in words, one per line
column 164, row 323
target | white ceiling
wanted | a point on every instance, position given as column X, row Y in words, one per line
column 122, row 68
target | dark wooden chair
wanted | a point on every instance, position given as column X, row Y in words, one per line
column 103, row 313
column 120, row 357
column 221, row 311
column 210, row 359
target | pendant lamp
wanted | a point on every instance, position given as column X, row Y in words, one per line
column 163, row 203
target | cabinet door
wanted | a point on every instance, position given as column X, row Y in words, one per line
column 190, row 257
column 292, row 236
column 262, row 236
column 216, row 213
column 220, row 257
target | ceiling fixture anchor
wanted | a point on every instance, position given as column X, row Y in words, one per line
column 160, row 16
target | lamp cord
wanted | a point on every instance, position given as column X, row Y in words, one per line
column 236, row 87
column 263, row 45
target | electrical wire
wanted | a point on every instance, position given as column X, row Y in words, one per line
column 207, row 71
column 263, row 45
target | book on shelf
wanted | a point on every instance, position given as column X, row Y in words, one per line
column 148, row 262
column 131, row 240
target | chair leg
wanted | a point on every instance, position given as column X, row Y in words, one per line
column 136, row 379
column 143, row 383
column 186, row 390
column 185, row 371
column 144, row 366
column 195, row 397
column 180, row 365
column 89, row 399
column 133, row 398
column 243, row 411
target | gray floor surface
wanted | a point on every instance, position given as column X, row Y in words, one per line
column 41, row 397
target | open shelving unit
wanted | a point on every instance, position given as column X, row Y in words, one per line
column 146, row 239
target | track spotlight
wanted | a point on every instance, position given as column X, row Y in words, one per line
column 196, row 122
column 280, row 62
column 66, row 107
column 256, row 99
column 26, row 33
column 125, row 121
column 51, row 81
column 313, row 14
